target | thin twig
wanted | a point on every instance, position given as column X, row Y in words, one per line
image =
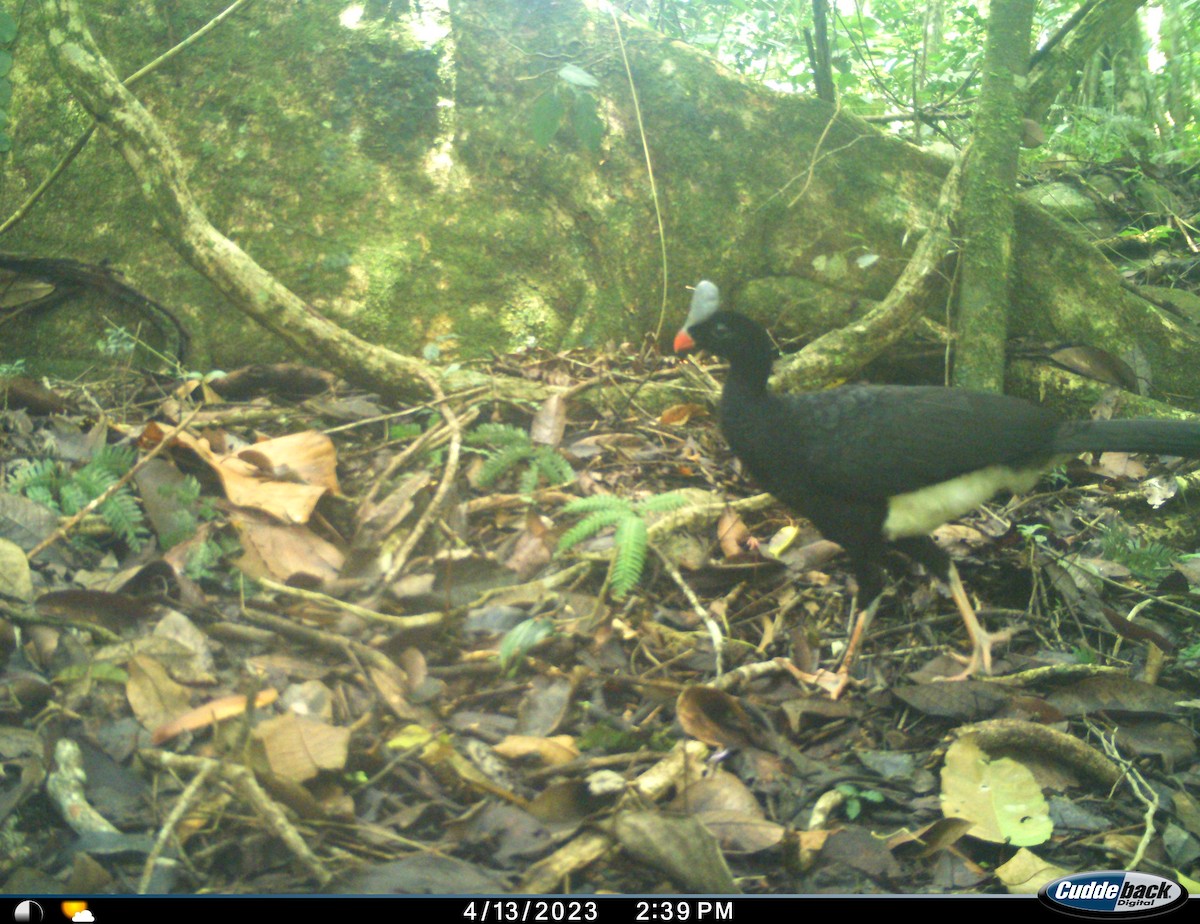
column 182, row 806
column 449, row 472
column 637, row 112
column 403, row 623
column 1144, row 792
column 714, row 628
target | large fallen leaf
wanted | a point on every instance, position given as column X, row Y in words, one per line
column 727, row 808
column 154, row 697
column 714, row 717
column 681, row 847
column 297, row 748
column 1026, row 872
column 283, row 552
column 284, row 477
column 1000, row 797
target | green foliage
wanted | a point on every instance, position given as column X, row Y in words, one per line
column 404, row 431
column 121, row 344
column 507, row 447
column 631, row 539
column 520, row 640
column 8, row 35
column 8, row 370
column 894, row 57
column 204, row 560
column 187, row 510
column 601, row 735
column 117, row 343
column 52, row 484
column 1147, row 559
column 570, row 95
column 855, row 798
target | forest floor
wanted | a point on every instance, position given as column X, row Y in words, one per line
column 317, row 643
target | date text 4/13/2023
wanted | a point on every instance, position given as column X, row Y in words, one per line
column 596, row 910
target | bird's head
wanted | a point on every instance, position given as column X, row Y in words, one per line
column 727, row 334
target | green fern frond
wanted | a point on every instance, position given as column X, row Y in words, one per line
column 503, row 462
column 184, row 494
column 124, row 517
column 85, row 486
column 43, row 474
column 660, row 503
column 589, row 526
column 73, row 498
column 115, row 459
column 598, row 502
column 553, row 466
column 529, row 479
column 497, row 436
column 632, row 540
column 42, row 495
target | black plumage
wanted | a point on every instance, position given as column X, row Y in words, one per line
column 871, row 465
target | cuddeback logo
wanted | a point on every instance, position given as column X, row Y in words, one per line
column 1113, row 893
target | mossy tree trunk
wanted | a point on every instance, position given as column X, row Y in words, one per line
column 988, row 201
column 396, row 188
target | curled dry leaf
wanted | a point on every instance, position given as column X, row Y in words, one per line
column 284, row 477
column 714, row 717
column 553, row 752
column 210, row 713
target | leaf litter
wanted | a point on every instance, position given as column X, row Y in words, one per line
column 307, row 641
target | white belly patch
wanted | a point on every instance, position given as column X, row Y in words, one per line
column 920, row 512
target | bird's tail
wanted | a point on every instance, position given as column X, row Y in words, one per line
column 1165, row 437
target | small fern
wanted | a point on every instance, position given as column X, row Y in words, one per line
column 1146, row 558
column 507, row 447
column 497, row 435
column 52, row 484
column 632, row 537
column 185, row 512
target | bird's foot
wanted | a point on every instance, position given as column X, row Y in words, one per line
column 981, row 654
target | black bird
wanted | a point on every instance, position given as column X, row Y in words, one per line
column 876, row 464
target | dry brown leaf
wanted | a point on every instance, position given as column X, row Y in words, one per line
column 932, row 838
column 154, row 697
column 297, row 748
column 732, row 533
column 210, row 713
column 714, row 717
column 1120, row 465
column 284, row 477
column 1026, row 872
column 283, row 551
column 549, row 422
column 393, row 687
column 553, row 752
column 534, row 548
column 680, row 414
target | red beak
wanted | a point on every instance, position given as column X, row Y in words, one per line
column 684, row 342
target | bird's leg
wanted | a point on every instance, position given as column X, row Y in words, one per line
column 834, row 683
column 856, row 636
column 981, row 639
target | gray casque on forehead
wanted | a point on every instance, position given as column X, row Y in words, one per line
column 705, row 301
